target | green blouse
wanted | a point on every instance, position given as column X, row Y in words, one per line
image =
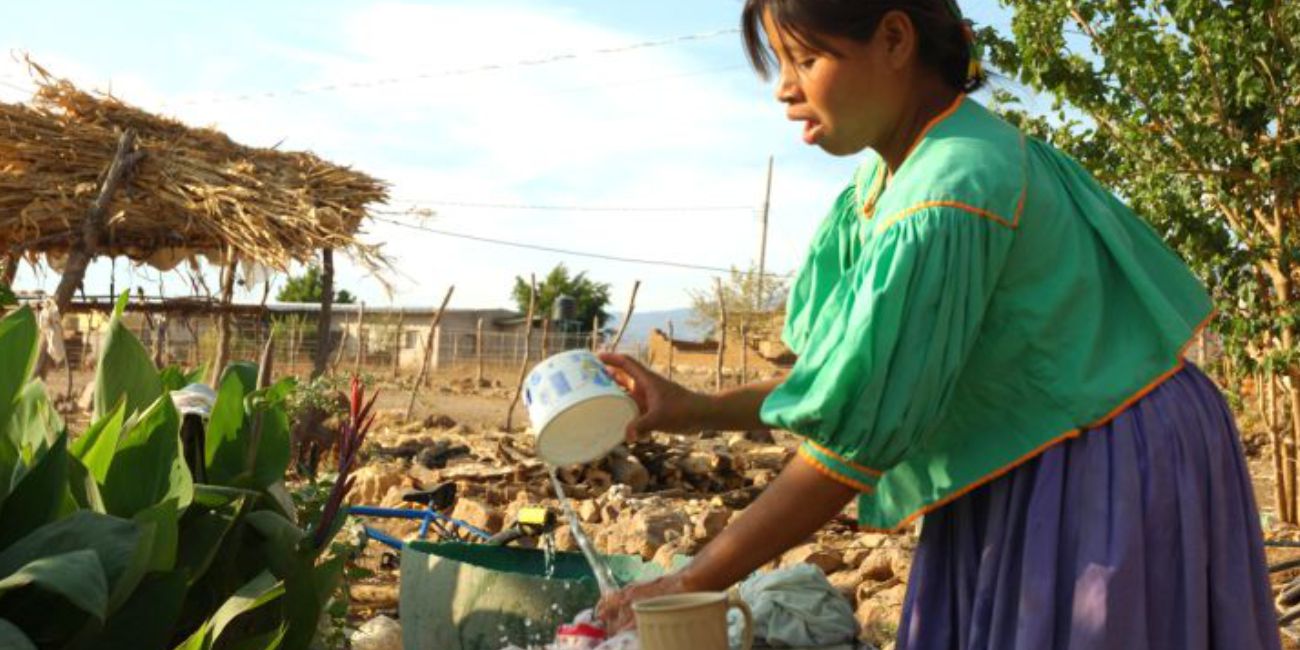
column 988, row 301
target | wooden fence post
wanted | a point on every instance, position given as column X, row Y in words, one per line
column 722, row 335
column 399, row 340
column 478, row 352
column 361, row 340
column 523, row 368
column 428, row 352
column 744, row 354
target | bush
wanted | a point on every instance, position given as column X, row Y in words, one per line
column 107, row 541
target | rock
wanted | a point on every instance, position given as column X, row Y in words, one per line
column 597, row 480
column 828, row 560
column 589, row 512
column 477, row 512
column 854, row 556
column 772, row 457
column 878, row 566
column 628, row 470
column 379, row 633
column 564, row 539
column 877, row 623
column 440, row 421
column 701, row 464
column 374, row 481
column 760, row 436
column 652, row 528
column 711, row 522
column 760, row 478
column 846, row 582
column 375, row 596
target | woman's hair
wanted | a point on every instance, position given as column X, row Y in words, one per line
column 945, row 39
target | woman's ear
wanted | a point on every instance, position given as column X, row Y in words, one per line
column 897, row 39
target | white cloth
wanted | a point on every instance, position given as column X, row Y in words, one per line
column 794, row 607
column 52, row 331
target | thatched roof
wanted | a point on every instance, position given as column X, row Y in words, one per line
column 195, row 191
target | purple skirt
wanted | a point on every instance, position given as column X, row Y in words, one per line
column 1141, row 533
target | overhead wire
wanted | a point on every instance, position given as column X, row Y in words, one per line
column 565, row 251
column 491, row 67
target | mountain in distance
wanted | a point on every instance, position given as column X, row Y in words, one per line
column 642, row 323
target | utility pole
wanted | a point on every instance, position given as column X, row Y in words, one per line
column 762, row 247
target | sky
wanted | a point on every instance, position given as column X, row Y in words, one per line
column 462, row 105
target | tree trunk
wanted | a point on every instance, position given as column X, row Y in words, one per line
column 428, row 352
column 322, row 357
column 523, row 368
column 224, row 318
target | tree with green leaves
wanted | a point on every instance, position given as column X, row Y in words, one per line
column 1189, row 110
column 749, row 302
column 307, row 288
column 590, row 297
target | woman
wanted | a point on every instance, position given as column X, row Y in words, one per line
column 988, row 338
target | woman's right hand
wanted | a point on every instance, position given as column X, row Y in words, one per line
column 664, row 405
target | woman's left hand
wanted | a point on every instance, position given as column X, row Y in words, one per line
column 615, row 610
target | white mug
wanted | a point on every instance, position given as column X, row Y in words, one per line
column 578, row 412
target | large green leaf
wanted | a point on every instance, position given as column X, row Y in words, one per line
column 83, row 489
column 12, row 638
column 227, row 437
column 148, row 618
column 35, row 421
column 148, row 467
column 17, row 356
column 161, row 522
column 38, row 498
column 116, row 542
column 125, row 369
column 77, row 576
column 202, row 533
column 255, row 593
column 273, row 449
column 97, row 445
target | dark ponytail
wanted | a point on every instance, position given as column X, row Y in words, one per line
column 945, row 40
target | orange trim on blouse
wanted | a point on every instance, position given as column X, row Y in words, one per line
column 832, row 474
column 861, row 468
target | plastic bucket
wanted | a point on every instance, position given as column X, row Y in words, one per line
column 577, row 411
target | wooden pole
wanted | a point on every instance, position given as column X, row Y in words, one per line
column 224, row 318
column 455, row 349
column 722, row 335
column 523, row 367
column 322, row 357
column 361, row 340
column 595, row 333
column 627, row 318
column 428, row 351
column 744, row 354
column 399, row 338
column 672, row 347
column 762, row 246
column 478, row 352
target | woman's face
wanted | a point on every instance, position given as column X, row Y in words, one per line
column 849, row 101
